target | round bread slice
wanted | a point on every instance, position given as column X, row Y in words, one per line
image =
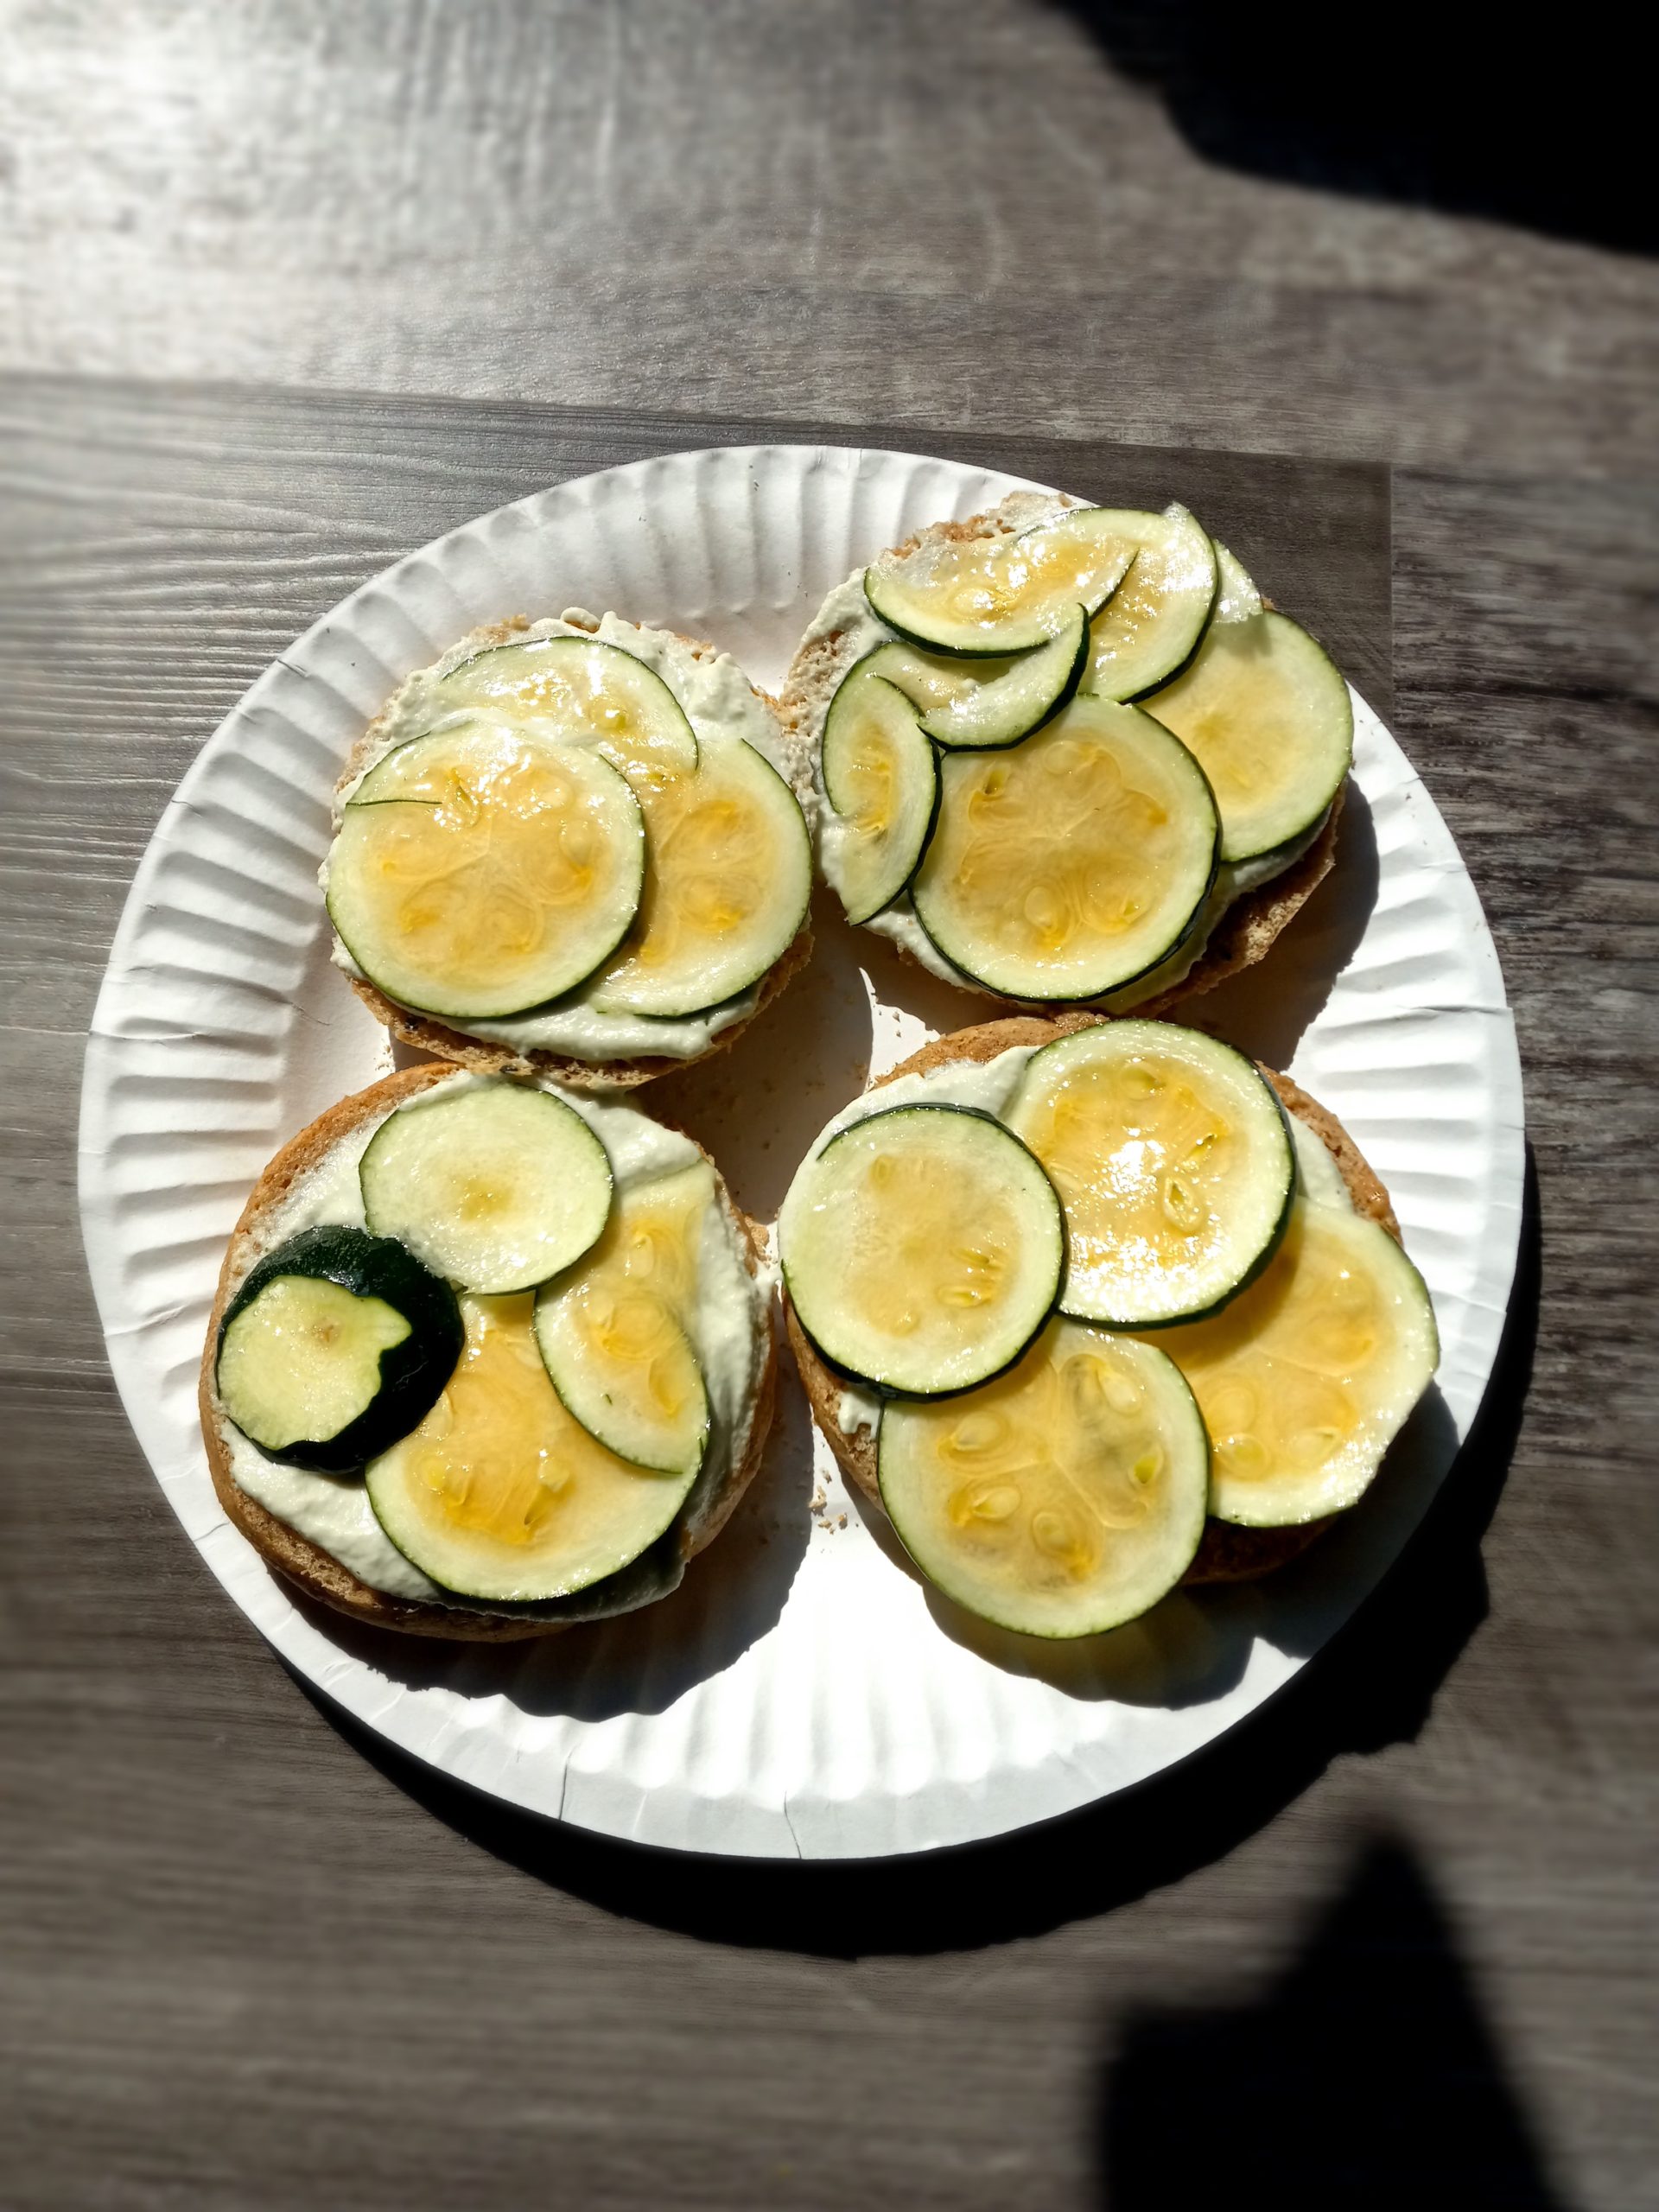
column 426, row 1033
column 1226, row 1553
column 315, row 1571
column 1245, row 932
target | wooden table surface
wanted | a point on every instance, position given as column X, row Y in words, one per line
column 1392, row 1940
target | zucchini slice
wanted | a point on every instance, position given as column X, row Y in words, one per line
column 951, row 694
column 594, row 694
column 879, row 778
column 497, row 1187
column 484, row 869
column 930, row 680
column 1060, row 1500
column 1307, row 1376
column 922, row 1248
column 1172, row 1161
column 728, row 876
column 1148, row 627
column 336, row 1344
column 500, row 1493
column 1267, row 713
column 1001, row 595
column 1011, row 706
column 1237, row 597
column 612, row 1332
column 1074, row 863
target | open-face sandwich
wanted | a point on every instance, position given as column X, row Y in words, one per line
column 1068, row 754
column 488, row 1356
column 1090, row 1308
column 572, row 847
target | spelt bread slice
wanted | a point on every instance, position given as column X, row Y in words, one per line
column 305, row 1563
column 1246, row 932
column 426, row 1033
column 1226, row 1554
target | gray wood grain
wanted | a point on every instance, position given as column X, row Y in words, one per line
column 249, row 1960
column 953, row 214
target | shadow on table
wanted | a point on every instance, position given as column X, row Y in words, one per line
column 1421, row 104
column 1365, row 2076
column 1372, row 1685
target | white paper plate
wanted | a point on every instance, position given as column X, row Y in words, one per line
column 801, row 1694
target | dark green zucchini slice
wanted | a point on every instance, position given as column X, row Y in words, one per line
column 337, row 1345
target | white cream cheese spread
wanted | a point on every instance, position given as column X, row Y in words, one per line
column 729, row 1328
